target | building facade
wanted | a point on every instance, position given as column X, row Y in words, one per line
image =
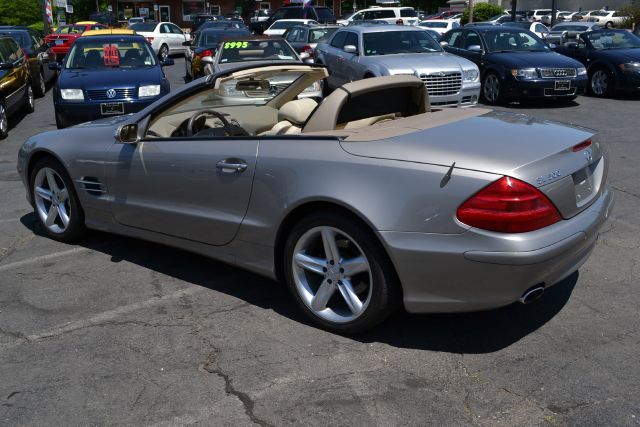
column 571, row 5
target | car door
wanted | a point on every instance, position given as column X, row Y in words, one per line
column 15, row 78
column 166, row 37
column 331, row 53
column 193, row 188
column 472, row 38
column 351, row 61
column 178, row 37
column 291, row 36
column 454, row 41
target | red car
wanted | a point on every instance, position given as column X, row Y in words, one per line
column 62, row 39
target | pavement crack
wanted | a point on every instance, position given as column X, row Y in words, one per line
column 630, row 193
column 13, row 334
column 211, row 366
column 13, row 393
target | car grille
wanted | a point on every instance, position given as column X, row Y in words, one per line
column 554, row 73
column 101, row 94
column 442, row 84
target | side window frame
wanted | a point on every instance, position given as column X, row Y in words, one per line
column 343, row 35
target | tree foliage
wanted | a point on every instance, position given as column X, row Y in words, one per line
column 20, row 12
column 481, row 12
column 633, row 12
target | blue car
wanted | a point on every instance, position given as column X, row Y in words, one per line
column 516, row 64
column 107, row 75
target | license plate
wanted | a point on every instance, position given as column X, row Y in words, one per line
column 110, row 108
column 563, row 85
column 59, row 41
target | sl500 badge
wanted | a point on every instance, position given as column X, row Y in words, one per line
column 548, row 177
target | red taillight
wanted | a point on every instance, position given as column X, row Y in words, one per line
column 508, row 206
column 205, row 53
column 581, row 146
column 307, row 49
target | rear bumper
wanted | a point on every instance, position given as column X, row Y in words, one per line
column 73, row 113
column 479, row 270
column 543, row 88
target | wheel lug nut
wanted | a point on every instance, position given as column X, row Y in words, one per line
column 324, row 269
column 329, row 281
column 331, row 262
column 342, row 270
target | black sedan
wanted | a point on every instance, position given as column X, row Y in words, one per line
column 516, row 64
column 205, row 44
column 107, row 75
column 612, row 58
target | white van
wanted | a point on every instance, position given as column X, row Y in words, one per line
column 392, row 15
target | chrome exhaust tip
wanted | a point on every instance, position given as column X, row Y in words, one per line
column 532, row 294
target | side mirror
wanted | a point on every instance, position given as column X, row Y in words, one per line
column 444, row 44
column 349, row 48
column 304, row 55
column 55, row 66
column 475, row 48
column 186, row 43
column 168, row 61
column 127, row 134
column 207, row 60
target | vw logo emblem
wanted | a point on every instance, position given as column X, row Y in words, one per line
column 588, row 154
column 111, row 93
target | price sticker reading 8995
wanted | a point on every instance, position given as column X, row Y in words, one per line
column 236, row 45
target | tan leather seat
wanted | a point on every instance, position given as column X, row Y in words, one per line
column 292, row 116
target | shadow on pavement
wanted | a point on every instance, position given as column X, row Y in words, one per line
column 481, row 332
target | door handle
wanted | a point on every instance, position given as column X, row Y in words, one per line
column 229, row 166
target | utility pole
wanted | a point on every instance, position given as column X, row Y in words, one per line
column 97, row 6
column 554, row 12
column 514, row 4
column 45, row 17
column 470, row 11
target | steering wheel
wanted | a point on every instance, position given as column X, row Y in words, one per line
column 225, row 124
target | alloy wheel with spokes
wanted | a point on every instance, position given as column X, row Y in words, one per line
column 55, row 202
column 42, row 87
column 339, row 273
column 29, row 104
column 600, row 83
column 164, row 52
column 492, row 89
column 4, row 122
column 332, row 274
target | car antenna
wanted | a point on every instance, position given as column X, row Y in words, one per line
column 447, row 176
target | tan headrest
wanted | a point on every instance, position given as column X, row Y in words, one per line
column 297, row 111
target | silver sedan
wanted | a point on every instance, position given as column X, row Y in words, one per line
column 358, row 205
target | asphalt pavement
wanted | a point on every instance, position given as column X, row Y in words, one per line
column 117, row 331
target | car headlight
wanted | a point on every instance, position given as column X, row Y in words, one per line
column 315, row 87
column 149, row 90
column 72, row 94
column 524, row 73
column 630, row 66
column 470, row 75
column 582, row 71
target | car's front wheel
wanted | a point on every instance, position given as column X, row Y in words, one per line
column 41, row 86
column 163, row 52
column 339, row 274
column 29, row 104
column 492, row 89
column 600, row 83
column 55, row 201
column 4, row 121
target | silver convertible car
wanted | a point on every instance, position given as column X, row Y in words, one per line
column 364, row 202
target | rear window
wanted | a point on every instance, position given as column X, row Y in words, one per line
column 70, row 29
column 320, row 35
column 408, row 13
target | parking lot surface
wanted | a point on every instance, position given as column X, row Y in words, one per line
column 118, row 331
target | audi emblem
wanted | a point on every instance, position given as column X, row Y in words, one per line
column 560, row 73
column 111, row 93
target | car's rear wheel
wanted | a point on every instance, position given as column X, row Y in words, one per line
column 55, row 201
column 492, row 89
column 41, row 86
column 608, row 25
column 4, row 122
column 29, row 105
column 163, row 52
column 338, row 273
column 601, row 83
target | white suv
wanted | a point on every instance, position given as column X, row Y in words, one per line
column 537, row 14
column 392, row 15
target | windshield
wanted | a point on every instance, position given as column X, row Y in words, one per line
column 394, row 42
column 602, row 40
column 200, row 19
column 101, row 54
column 256, row 50
column 70, row 29
column 283, row 25
column 212, row 38
column 513, row 41
column 147, row 28
column 433, row 24
column 569, row 27
column 321, row 34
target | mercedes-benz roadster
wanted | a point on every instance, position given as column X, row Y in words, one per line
column 361, row 203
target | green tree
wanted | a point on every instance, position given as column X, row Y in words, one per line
column 633, row 12
column 83, row 8
column 481, row 12
column 20, row 12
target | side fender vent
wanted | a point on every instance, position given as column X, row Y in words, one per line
column 92, row 186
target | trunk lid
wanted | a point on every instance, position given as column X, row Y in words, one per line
column 539, row 152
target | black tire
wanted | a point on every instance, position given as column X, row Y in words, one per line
column 4, row 121
column 384, row 295
column 490, row 85
column 60, row 123
column 29, row 104
column 163, row 52
column 76, row 227
column 601, row 82
column 608, row 25
column 40, row 86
